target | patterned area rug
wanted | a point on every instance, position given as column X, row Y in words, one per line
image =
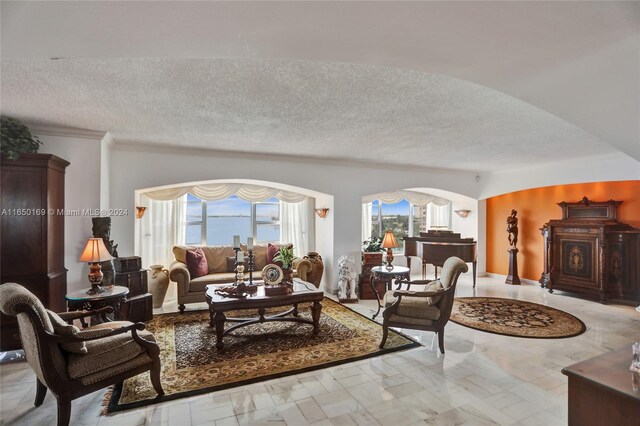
column 191, row 364
column 515, row 318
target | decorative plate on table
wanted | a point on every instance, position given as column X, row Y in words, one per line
column 272, row 274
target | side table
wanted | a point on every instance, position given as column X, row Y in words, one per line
column 114, row 297
column 386, row 275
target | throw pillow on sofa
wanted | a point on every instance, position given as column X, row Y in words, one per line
column 197, row 263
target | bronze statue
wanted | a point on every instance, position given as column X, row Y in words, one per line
column 102, row 229
column 512, row 229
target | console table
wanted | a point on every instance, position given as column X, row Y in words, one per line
column 602, row 390
column 386, row 275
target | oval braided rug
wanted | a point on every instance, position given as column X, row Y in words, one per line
column 515, row 318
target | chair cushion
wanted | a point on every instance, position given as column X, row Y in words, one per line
column 107, row 373
column 434, row 286
column 197, row 263
column 62, row 328
column 417, row 307
column 107, row 352
column 411, row 321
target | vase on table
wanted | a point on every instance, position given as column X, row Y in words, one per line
column 317, row 268
column 158, row 280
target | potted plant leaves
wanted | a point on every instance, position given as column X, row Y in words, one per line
column 285, row 256
column 16, row 139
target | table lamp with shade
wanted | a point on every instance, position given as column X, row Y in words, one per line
column 389, row 241
column 94, row 253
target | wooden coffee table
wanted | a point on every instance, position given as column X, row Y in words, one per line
column 303, row 292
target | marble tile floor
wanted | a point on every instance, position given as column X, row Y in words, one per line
column 483, row 379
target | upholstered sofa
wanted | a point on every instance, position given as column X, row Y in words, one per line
column 192, row 290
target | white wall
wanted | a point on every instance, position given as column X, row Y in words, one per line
column 482, row 237
column 137, row 167
column 603, row 168
column 82, row 191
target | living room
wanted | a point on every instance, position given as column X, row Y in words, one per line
column 348, row 101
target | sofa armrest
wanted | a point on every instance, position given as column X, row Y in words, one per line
column 303, row 266
column 179, row 273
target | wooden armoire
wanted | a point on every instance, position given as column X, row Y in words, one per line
column 590, row 252
column 32, row 233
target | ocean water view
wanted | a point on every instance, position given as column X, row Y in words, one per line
column 221, row 229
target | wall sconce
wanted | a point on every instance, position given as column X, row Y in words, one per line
column 140, row 211
column 322, row 213
column 463, row 213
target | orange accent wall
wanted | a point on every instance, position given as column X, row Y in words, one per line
column 535, row 207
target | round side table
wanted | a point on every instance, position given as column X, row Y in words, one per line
column 387, row 275
column 114, row 297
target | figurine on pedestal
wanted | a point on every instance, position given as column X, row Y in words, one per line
column 347, row 280
column 512, row 229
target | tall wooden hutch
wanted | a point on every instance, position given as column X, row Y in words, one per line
column 32, row 239
column 590, row 252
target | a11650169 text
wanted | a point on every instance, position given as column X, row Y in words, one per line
column 64, row 212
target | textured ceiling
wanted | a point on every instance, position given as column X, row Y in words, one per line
column 367, row 113
column 270, row 77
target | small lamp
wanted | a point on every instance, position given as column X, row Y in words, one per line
column 389, row 241
column 463, row 213
column 140, row 211
column 322, row 212
column 94, row 253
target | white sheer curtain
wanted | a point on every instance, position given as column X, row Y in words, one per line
column 221, row 191
column 415, row 198
column 367, row 211
column 439, row 216
column 297, row 225
column 162, row 227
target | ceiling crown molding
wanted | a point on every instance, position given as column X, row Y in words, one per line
column 71, row 132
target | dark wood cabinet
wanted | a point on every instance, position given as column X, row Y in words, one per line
column 602, row 390
column 370, row 260
column 32, row 233
column 138, row 307
column 590, row 252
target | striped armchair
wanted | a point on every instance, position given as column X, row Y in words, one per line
column 72, row 362
column 428, row 309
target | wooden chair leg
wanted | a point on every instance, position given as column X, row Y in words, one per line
column 41, row 392
column 441, row 340
column 154, row 373
column 385, row 334
column 64, row 411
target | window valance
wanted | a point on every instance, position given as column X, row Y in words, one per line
column 220, row 191
column 415, row 198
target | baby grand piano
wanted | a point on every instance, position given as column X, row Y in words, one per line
column 436, row 246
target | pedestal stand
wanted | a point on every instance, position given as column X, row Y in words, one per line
column 513, row 277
